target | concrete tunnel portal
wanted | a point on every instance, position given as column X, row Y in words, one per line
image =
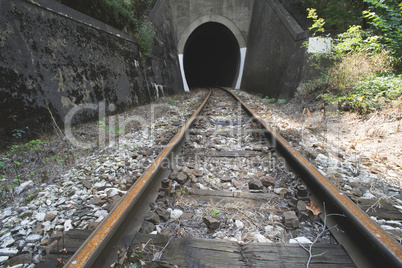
column 211, row 56
column 212, row 52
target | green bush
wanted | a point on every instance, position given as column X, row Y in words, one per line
column 268, row 100
column 386, row 18
column 338, row 15
column 369, row 95
column 145, row 37
column 124, row 15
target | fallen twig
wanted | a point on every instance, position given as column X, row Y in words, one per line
column 324, row 229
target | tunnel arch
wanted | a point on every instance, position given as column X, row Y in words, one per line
column 226, row 27
column 210, row 18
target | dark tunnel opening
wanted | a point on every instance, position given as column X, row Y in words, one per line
column 211, row 56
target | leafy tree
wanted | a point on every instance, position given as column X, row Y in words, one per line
column 386, row 18
column 338, row 15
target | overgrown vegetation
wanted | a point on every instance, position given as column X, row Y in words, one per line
column 364, row 65
column 145, row 37
column 126, row 15
column 338, row 15
column 29, row 164
column 268, row 100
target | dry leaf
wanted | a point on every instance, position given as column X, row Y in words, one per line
column 61, row 261
column 314, row 208
column 63, row 251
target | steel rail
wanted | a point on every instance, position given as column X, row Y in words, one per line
column 376, row 238
column 86, row 255
column 376, row 246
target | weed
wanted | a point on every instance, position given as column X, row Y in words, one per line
column 172, row 100
column 17, row 133
column 214, row 213
column 15, row 148
column 145, row 37
column 268, row 100
column 183, row 191
column 33, row 145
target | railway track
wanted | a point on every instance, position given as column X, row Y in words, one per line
column 228, row 191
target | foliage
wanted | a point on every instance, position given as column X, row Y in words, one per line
column 34, row 160
column 386, row 18
column 33, row 145
column 215, row 213
column 113, row 128
column 17, row 133
column 124, row 15
column 357, row 66
column 281, row 101
column 369, row 95
column 360, row 70
column 338, row 15
column 172, row 101
column 356, row 40
column 145, row 37
column 268, row 100
column 318, row 23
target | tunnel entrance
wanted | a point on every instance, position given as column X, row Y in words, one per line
column 211, row 56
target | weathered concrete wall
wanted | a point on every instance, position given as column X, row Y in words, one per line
column 231, row 13
column 275, row 61
column 54, row 60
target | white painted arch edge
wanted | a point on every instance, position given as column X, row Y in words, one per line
column 218, row 19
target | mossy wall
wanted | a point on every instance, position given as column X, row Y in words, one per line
column 54, row 57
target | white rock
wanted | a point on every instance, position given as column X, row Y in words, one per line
column 301, row 240
column 268, row 228
column 7, row 240
column 40, row 216
column 365, row 179
column 347, row 188
column 17, row 266
column 19, row 189
column 238, row 236
column 368, row 195
column 99, row 184
column 101, row 213
column 67, row 225
column 200, row 186
column 233, row 239
column 154, row 232
column 8, row 252
column 59, row 228
column 261, row 239
column 33, row 238
column 239, row 224
column 112, row 192
column 321, row 158
column 281, row 191
column 3, row 259
column 388, row 228
column 176, row 214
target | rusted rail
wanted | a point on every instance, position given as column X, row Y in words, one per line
column 364, row 235
column 367, row 244
column 87, row 254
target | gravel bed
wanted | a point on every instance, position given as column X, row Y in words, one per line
column 347, row 166
column 282, row 214
column 83, row 195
